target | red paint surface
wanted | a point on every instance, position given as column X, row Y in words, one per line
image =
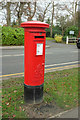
column 34, row 24
column 34, row 64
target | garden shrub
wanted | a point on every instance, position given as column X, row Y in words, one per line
column 58, row 38
column 12, row 36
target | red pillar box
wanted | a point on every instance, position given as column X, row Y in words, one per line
column 34, row 60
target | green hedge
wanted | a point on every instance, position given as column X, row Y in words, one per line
column 12, row 36
column 71, row 28
column 66, row 33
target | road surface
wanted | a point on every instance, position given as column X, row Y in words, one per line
column 13, row 59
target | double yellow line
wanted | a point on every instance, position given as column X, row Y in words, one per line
column 62, row 67
column 68, row 66
column 12, row 74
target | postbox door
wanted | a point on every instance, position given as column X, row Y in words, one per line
column 38, row 62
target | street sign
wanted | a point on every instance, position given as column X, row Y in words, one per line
column 71, row 32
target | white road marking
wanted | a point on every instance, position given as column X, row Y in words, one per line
column 62, row 64
column 58, row 115
column 19, row 54
column 23, row 54
column 6, row 55
column 48, row 53
column 75, row 51
column 12, row 55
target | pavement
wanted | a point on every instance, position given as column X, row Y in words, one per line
column 73, row 113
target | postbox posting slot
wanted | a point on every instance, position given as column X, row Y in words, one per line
column 39, row 36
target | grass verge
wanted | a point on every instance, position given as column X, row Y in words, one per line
column 72, row 43
column 60, row 86
column 49, row 38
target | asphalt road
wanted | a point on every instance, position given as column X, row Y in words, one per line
column 13, row 59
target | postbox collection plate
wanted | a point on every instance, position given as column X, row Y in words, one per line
column 39, row 50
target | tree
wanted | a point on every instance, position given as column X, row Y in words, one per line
column 8, row 13
column 62, row 22
column 42, row 11
column 79, row 16
column 20, row 9
column 48, row 21
column 30, row 10
column 71, row 8
column 6, row 6
column 52, row 20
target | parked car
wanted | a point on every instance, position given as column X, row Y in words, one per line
column 78, row 40
column 78, row 43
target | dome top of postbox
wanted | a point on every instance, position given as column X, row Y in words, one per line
column 34, row 24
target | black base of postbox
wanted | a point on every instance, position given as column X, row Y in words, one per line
column 33, row 94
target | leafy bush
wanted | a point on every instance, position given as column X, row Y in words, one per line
column 12, row 36
column 58, row 38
